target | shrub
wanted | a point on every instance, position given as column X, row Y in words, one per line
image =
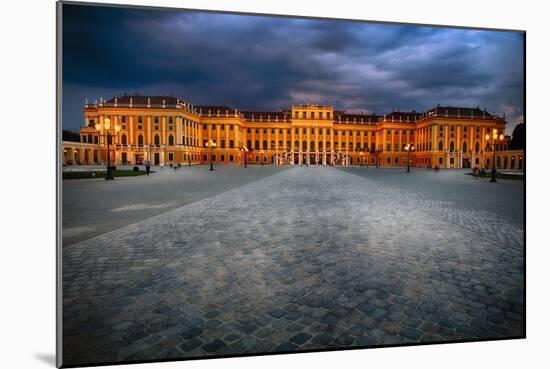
column 135, row 169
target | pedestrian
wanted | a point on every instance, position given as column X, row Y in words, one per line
column 147, row 167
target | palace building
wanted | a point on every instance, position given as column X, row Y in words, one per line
column 168, row 130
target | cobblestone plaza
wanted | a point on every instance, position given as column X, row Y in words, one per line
column 278, row 259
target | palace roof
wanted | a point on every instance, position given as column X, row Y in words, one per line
column 265, row 116
column 284, row 115
column 343, row 117
column 215, row 109
column 459, row 112
column 144, row 100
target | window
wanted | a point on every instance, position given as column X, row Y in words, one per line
column 157, row 140
column 440, row 145
column 464, row 147
column 140, row 119
column 231, row 128
column 452, row 161
column 171, row 140
column 304, row 131
column 170, row 156
column 249, row 144
column 223, row 144
column 320, row 115
column 265, row 130
column 295, row 131
column 440, row 161
column 452, row 146
column 477, row 146
column 156, row 119
column 396, row 160
column 230, row 157
column 388, row 160
column 204, row 126
column 223, row 128
column 272, row 130
column 170, row 120
column 248, row 130
column 223, row 157
column 213, row 127
column 140, row 140
column 256, row 144
column 312, row 131
column 123, row 119
column 304, row 115
column 312, row 115
column 256, row 131
column 123, row 139
column 296, row 114
column 231, row 144
column 328, row 115
column 264, row 145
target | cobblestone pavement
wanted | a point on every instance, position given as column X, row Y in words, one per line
column 308, row 258
column 94, row 206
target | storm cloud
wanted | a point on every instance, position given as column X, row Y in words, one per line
column 268, row 63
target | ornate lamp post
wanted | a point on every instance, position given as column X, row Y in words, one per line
column 496, row 137
column 211, row 144
column 244, row 150
column 108, row 131
column 408, row 149
column 262, row 156
column 378, row 152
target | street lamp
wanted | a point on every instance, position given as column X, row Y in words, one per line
column 108, row 131
column 496, row 137
column 211, row 144
column 408, row 149
column 244, row 150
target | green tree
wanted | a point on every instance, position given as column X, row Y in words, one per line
column 518, row 137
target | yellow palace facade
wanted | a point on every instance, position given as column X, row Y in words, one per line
column 167, row 130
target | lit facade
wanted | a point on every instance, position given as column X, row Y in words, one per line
column 168, row 130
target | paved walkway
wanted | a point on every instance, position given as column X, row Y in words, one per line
column 307, row 258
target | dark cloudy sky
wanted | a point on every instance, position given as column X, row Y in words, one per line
column 268, row 63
